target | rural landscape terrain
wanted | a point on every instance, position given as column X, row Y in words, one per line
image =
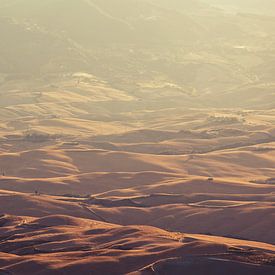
column 137, row 137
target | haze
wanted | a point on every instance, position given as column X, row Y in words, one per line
column 137, row 137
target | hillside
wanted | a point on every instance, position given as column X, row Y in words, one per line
column 57, row 243
column 137, row 137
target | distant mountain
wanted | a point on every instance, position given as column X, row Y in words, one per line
column 104, row 21
column 70, row 35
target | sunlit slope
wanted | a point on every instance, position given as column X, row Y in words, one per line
column 66, row 107
column 190, row 213
column 97, row 114
column 37, row 244
column 72, row 158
